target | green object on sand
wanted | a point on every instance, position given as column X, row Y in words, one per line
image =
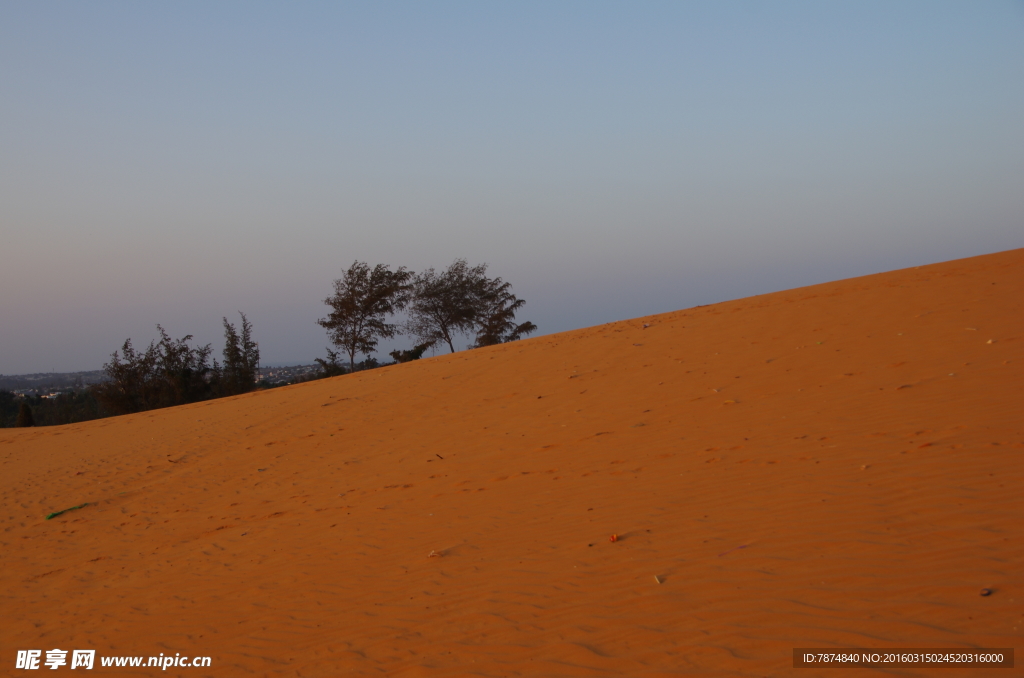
column 57, row 513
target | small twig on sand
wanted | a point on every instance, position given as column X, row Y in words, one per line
column 57, row 513
column 743, row 546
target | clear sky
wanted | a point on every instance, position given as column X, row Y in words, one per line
column 177, row 162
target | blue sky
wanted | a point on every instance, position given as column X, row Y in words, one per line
column 175, row 163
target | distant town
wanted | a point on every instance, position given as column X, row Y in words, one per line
column 53, row 384
column 279, row 376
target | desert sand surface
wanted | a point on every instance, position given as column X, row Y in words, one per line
column 839, row 465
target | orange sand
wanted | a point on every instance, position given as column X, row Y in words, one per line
column 837, row 465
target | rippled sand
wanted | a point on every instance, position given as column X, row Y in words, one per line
column 837, row 465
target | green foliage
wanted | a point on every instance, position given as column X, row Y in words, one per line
column 9, row 405
column 460, row 300
column 183, row 372
column 330, row 367
column 368, row 363
column 495, row 317
column 241, row 360
column 362, row 301
column 463, row 300
column 446, row 304
column 407, row 356
column 168, row 373
column 24, row 416
column 132, row 378
column 64, row 408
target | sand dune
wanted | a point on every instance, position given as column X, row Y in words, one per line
column 834, row 466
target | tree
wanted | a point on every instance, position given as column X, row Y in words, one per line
column 182, row 372
column 241, row 359
column 24, row 416
column 330, row 367
column 446, row 304
column 167, row 373
column 495, row 318
column 131, row 380
column 368, row 363
column 362, row 301
column 408, row 356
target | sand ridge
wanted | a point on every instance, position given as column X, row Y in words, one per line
column 836, row 465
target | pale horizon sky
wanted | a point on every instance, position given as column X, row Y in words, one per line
column 175, row 163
